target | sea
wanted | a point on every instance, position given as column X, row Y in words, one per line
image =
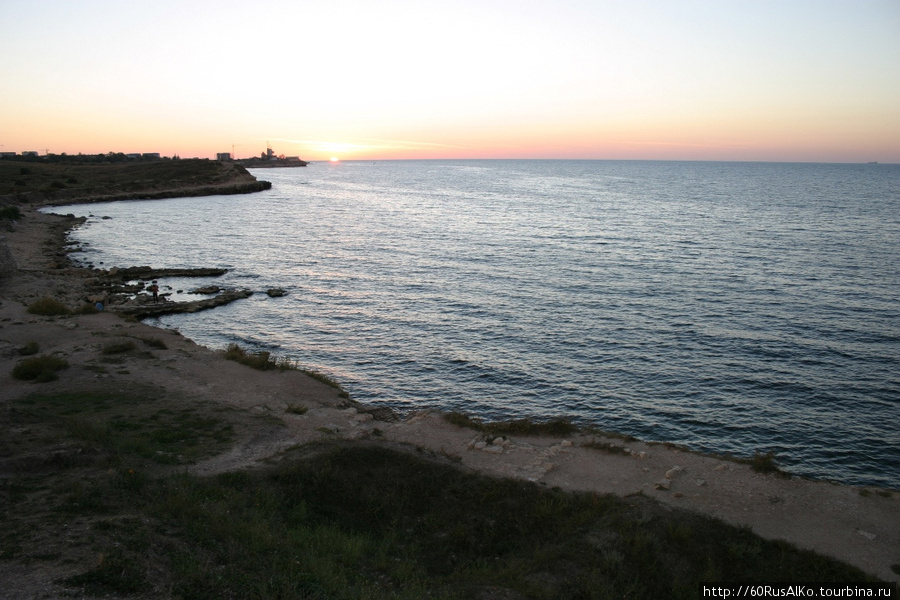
column 732, row 308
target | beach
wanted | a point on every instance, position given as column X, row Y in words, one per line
column 280, row 410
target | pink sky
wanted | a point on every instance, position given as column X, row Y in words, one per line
column 699, row 80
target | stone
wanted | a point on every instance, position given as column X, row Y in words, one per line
column 210, row 289
column 566, row 443
column 480, row 445
column 701, row 482
column 663, row 484
column 494, row 449
column 673, row 472
column 275, row 292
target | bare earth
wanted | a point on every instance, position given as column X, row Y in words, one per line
column 836, row 520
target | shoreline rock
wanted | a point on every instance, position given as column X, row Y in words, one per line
column 143, row 311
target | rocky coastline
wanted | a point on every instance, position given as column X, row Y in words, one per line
column 861, row 527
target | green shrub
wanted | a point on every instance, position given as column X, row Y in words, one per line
column 154, row 342
column 119, row 347
column 11, row 213
column 48, row 307
column 41, row 368
column 258, row 360
column 765, row 463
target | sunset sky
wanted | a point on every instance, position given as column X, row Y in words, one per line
column 781, row 80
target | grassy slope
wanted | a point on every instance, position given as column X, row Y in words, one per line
column 331, row 521
column 72, row 181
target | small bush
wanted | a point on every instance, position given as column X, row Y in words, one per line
column 765, row 463
column 119, row 347
column 154, row 342
column 40, row 369
column 322, row 378
column 86, row 309
column 258, row 360
column 463, row 420
column 11, row 213
column 48, row 307
column 29, row 349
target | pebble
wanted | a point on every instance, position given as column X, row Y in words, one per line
column 673, row 472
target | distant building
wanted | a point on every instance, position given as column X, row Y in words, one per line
column 133, row 155
column 223, row 156
column 30, row 153
column 7, row 154
column 269, row 154
column 150, row 155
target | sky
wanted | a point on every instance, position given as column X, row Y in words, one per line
column 756, row 80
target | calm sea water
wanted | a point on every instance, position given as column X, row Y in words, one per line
column 729, row 307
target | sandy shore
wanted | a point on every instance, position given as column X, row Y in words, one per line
column 861, row 527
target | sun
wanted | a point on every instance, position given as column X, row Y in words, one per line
column 334, row 159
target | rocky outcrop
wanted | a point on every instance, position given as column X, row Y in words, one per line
column 142, row 310
column 131, row 273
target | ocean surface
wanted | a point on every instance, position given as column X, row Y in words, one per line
column 728, row 307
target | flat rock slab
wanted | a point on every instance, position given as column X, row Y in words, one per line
column 142, row 311
column 151, row 273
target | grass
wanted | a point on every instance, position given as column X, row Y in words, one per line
column 130, row 425
column 29, row 349
column 119, row 347
column 10, row 213
column 764, row 463
column 264, row 361
column 39, row 369
column 48, row 307
column 332, row 520
column 154, row 342
column 117, row 178
column 376, row 523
